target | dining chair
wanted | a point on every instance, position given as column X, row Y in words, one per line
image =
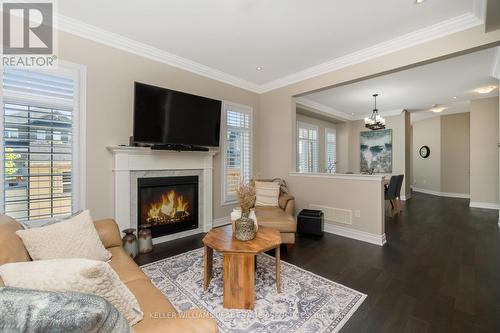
column 398, row 191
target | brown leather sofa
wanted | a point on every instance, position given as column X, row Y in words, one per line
column 280, row 218
column 159, row 314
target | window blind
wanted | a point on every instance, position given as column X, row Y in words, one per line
column 331, row 150
column 238, row 150
column 37, row 144
column 307, row 147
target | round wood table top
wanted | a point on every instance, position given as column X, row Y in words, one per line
column 222, row 240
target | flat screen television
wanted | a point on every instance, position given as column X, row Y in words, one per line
column 164, row 117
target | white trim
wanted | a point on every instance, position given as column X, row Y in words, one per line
column 432, row 32
column 108, row 38
column 363, row 236
column 226, row 105
column 377, row 178
column 479, row 9
column 308, row 103
column 484, row 205
column 495, row 66
column 442, row 194
column 341, row 115
column 222, row 221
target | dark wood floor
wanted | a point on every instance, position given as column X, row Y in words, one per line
column 439, row 271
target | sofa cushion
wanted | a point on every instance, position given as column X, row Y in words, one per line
column 266, row 194
column 76, row 275
column 125, row 266
column 153, row 303
column 11, row 246
column 75, row 237
column 275, row 217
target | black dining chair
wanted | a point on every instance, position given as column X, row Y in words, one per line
column 392, row 191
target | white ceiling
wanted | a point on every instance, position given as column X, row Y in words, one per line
column 230, row 38
column 415, row 89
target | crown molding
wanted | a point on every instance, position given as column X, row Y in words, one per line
column 308, row 103
column 105, row 37
column 444, row 28
column 495, row 67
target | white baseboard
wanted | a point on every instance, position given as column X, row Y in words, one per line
column 355, row 234
column 485, row 205
column 221, row 221
column 442, row 194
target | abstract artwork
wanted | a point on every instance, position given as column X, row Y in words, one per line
column 376, row 151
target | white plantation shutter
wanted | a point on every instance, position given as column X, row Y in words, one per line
column 237, row 148
column 307, row 147
column 331, row 150
column 38, row 144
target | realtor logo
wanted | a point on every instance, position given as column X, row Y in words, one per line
column 28, row 34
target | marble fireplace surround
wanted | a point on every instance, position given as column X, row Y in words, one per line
column 131, row 163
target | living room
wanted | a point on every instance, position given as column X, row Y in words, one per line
column 97, row 120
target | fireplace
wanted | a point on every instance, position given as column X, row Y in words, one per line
column 168, row 204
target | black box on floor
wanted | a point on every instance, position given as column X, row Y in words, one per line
column 310, row 222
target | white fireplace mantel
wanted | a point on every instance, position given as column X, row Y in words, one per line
column 128, row 160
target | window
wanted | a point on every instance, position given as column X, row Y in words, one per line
column 307, row 147
column 237, row 147
column 41, row 170
column 331, row 150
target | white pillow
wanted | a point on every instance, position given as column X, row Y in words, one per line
column 75, row 237
column 267, row 193
column 74, row 275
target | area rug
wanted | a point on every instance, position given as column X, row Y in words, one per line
column 307, row 302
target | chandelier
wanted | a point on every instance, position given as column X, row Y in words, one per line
column 375, row 121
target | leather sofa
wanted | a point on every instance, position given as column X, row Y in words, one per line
column 159, row 314
column 280, row 218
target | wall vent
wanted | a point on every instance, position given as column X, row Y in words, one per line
column 337, row 215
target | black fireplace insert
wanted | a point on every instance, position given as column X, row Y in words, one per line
column 168, row 204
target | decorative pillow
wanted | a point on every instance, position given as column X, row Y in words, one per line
column 267, row 193
column 75, row 275
column 75, row 237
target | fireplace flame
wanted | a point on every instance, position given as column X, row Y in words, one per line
column 171, row 207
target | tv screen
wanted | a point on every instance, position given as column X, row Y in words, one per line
column 168, row 117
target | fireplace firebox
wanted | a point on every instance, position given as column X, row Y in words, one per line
column 168, row 204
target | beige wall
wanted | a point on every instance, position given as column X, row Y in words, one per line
column 322, row 126
column 427, row 171
column 447, row 169
column 484, row 134
column 455, row 153
column 110, row 81
column 343, row 149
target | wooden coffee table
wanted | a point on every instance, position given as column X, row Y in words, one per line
column 239, row 263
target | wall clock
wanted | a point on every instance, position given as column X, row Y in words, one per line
column 424, row 151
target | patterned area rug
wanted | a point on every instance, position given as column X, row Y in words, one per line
column 307, row 302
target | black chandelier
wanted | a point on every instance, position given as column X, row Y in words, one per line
column 375, row 121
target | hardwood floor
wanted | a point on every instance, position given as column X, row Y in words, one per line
column 439, row 271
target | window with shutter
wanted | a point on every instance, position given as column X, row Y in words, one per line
column 307, row 147
column 39, row 143
column 331, row 150
column 237, row 147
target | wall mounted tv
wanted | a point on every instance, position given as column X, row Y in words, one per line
column 169, row 119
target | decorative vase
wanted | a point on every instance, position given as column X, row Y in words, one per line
column 244, row 228
column 129, row 243
column 145, row 239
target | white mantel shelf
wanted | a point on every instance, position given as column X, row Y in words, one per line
column 129, row 161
